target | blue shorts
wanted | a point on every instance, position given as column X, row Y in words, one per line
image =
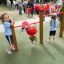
column 47, row 12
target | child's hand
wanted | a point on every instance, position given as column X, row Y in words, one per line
column 11, row 21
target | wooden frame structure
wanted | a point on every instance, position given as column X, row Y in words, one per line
column 41, row 16
column 62, row 23
column 14, row 38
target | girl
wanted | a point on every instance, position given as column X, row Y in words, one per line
column 52, row 28
column 7, row 22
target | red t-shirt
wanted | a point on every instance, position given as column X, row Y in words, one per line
column 29, row 10
column 37, row 7
column 31, row 30
column 25, row 23
column 48, row 6
column 44, row 9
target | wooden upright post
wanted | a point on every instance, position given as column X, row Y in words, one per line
column 41, row 16
column 62, row 23
column 14, row 38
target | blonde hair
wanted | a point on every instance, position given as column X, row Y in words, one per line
column 2, row 17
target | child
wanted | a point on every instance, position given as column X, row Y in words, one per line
column 28, row 8
column 48, row 6
column 44, row 8
column 29, row 11
column 20, row 7
column 31, row 31
column 7, row 22
column 52, row 28
column 36, row 8
column 8, row 4
column 32, row 8
column 24, row 25
column 25, row 6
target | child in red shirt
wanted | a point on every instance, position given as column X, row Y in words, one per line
column 48, row 8
column 31, row 31
column 36, row 7
column 29, row 11
column 44, row 8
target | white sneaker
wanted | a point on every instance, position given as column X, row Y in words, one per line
column 50, row 42
column 12, row 47
column 8, row 51
column 54, row 41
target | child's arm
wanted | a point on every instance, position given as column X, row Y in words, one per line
column 57, row 22
column 50, row 23
column 11, row 21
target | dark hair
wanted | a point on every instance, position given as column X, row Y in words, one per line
column 53, row 17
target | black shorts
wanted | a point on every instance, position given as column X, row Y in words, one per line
column 47, row 12
column 33, row 38
column 52, row 33
column 9, row 38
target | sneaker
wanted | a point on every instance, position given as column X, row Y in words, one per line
column 8, row 51
column 53, row 42
column 49, row 42
column 12, row 47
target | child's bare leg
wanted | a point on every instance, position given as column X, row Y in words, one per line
column 34, row 42
column 53, row 38
column 8, row 50
column 50, row 38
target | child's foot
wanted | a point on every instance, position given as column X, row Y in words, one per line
column 53, row 42
column 12, row 47
column 8, row 51
column 49, row 42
